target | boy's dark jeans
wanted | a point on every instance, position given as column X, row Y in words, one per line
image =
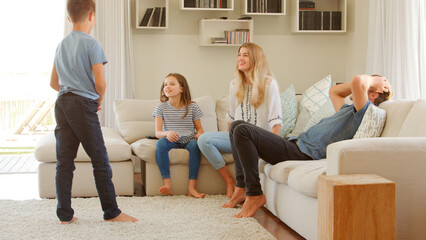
column 77, row 122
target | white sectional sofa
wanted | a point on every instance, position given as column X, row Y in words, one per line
column 398, row 155
column 290, row 187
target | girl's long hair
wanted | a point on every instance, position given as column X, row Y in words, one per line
column 185, row 96
column 257, row 75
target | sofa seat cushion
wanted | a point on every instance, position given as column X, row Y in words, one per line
column 117, row 148
column 280, row 171
column 145, row 149
column 304, row 178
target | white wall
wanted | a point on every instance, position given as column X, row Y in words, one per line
column 301, row 59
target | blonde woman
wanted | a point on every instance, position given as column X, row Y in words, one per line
column 253, row 98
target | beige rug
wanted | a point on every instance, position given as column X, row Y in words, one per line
column 177, row 217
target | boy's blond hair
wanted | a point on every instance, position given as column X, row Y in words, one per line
column 78, row 10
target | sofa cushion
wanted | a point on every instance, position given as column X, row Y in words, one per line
column 396, row 112
column 135, row 120
column 289, row 110
column 372, row 123
column 145, row 149
column 117, row 148
column 222, row 106
column 280, row 171
column 301, row 122
column 414, row 122
column 326, row 110
column 304, row 178
column 315, row 96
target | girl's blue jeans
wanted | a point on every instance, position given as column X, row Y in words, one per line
column 212, row 144
column 163, row 160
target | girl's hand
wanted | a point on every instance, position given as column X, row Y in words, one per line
column 172, row 136
column 198, row 134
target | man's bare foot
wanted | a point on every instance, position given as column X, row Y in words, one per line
column 192, row 192
column 122, row 217
column 166, row 189
column 238, row 196
column 251, row 205
column 70, row 221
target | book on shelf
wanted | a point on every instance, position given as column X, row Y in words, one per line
column 189, row 3
column 326, row 20
column 264, row 6
column 146, row 17
column 237, row 36
column 307, row 9
column 306, row 4
column 219, row 40
column 336, row 20
column 310, row 20
column 163, row 17
column 156, row 16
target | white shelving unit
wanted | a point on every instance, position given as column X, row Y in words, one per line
column 143, row 5
column 210, row 28
column 320, row 5
column 248, row 7
column 206, row 5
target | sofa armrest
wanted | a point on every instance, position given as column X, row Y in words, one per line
column 399, row 159
column 381, row 156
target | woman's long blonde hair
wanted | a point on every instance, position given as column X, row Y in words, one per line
column 257, row 75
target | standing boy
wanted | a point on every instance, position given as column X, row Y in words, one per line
column 78, row 76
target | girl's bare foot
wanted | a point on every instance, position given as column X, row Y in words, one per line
column 230, row 188
column 122, row 217
column 192, row 192
column 166, row 189
column 70, row 221
column 251, row 205
column 238, row 197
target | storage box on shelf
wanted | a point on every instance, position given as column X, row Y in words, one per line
column 216, row 30
column 319, row 16
column 263, row 7
column 207, row 5
column 152, row 14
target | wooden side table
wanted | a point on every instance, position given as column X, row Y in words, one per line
column 359, row 206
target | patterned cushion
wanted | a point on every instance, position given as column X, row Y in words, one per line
column 325, row 111
column 372, row 123
column 301, row 122
column 289, row 110
column 315, row 96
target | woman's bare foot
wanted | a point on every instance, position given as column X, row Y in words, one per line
column 70, row 221
column 166, row 189
column 192, row 191
column 238, row 197
column 251, row 205
column 122, row 217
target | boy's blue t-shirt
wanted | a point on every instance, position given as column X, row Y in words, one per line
column 75, row 56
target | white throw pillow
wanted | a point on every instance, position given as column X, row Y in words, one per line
column 325, row 111
column 301, row 122
column 289, row 110
column 315, row 96
column 372, row 123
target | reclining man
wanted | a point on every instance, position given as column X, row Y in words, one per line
column 249, row 142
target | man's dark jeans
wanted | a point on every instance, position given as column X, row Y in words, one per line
column 77, row 122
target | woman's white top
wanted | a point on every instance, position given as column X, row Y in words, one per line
column 265, row 116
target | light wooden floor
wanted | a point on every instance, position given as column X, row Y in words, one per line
column 24, row 163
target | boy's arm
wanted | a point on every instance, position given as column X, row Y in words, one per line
column 100, row 83
column 54, row 80
column 198, row 127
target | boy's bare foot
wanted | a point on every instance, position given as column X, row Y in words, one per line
column 238, row 197
column 166, row 189
column 70, row 221
column 251, row 205
column 122, row 217
column 192, row 192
